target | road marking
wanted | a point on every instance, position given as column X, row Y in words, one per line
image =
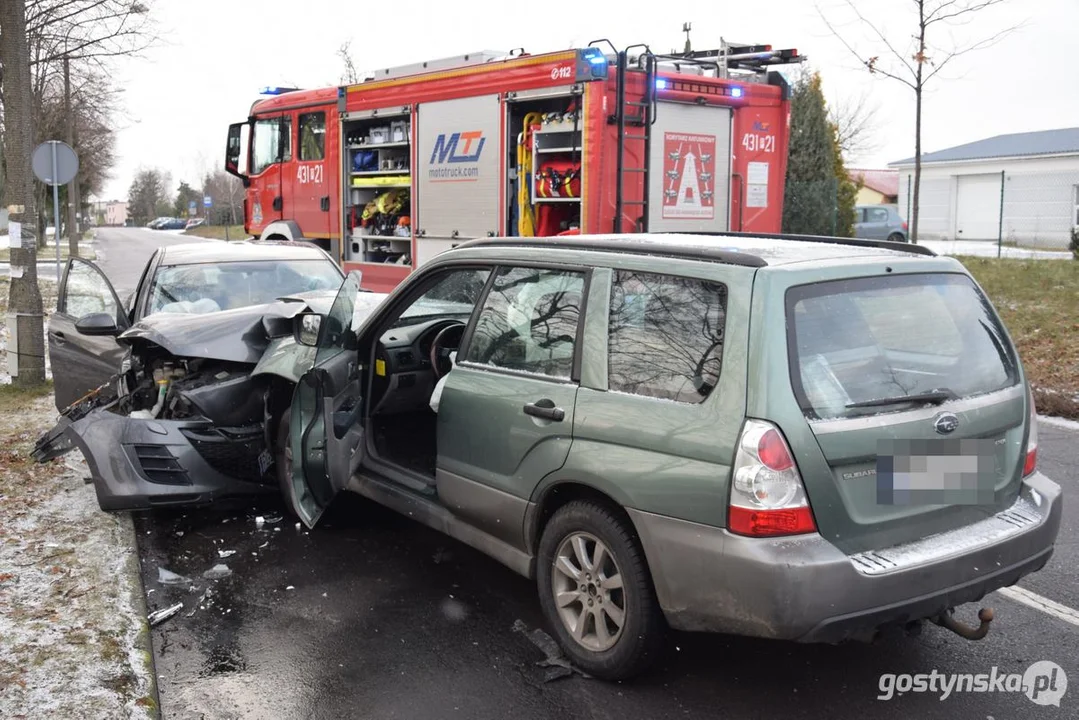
column 1047, row 606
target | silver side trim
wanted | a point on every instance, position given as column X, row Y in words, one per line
column 1006, row 524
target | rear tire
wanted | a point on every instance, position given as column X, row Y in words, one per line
column 896, row 237
column 283, row 460
column 584, row 592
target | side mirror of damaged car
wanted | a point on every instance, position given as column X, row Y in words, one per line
column 307, row 329
column 97, row 324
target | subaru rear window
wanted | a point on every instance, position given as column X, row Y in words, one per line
column 888, row 343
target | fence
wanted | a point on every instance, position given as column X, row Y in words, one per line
column 1025, row 209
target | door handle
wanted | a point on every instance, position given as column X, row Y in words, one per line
column 545, row 409
column 58, row 338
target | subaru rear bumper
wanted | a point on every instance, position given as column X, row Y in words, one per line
column 805, row 589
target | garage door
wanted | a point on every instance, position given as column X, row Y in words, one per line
column 977, row 214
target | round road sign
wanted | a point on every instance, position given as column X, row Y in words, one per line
column 67, row 163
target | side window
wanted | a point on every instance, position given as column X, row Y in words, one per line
column 87, row 292
column 272, row 135
column 312, row 136
column 665, row 335
column 529, row 322
column 878, row 215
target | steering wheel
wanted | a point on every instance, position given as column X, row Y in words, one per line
column 441, row 348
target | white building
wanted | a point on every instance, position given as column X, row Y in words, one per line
column 1034, row 176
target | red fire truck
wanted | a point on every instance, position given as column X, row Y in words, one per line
column 389, row 172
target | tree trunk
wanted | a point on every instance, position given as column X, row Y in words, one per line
column 24, row 299
column 920, row 62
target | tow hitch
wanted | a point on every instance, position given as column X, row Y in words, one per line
column 985, row 616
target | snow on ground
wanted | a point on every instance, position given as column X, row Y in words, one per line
column 73, row 635
column 989, row 249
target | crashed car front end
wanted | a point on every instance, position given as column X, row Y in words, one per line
column 190, row 417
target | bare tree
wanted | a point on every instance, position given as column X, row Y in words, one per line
column 71, row 43
column 917, row 59
column 349, row 76
column 855, row 118
column 24, row 297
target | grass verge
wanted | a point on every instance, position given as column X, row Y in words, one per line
column 1039, row 303
column 218, row 232
column 18, row 399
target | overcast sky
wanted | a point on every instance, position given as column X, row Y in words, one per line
column 215, row 55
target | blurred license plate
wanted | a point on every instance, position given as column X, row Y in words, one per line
column 936, row 472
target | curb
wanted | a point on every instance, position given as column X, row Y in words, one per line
column 143, row 640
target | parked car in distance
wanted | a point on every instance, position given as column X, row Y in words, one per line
column 712, row 433
column 156, row 223
column 880, row 222
column 169, row 395
column 171, row 224
column 194, row 222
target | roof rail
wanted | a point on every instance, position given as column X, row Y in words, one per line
column 829, row 239
column 627, row 243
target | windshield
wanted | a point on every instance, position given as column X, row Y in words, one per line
column 889, row 343
column 211, row 287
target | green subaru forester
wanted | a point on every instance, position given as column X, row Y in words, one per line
column 809, row 439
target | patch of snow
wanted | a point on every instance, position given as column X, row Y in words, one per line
column 70, row 597
column 1059, row 422
column 989, row 249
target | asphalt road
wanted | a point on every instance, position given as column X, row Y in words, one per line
column 122, row 253
column 374, row 616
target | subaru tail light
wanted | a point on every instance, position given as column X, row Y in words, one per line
column 768, row 498
column 1030, row 464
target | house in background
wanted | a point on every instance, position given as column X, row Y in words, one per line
column 116, row 213
column 1023, row 187
column 879, row 187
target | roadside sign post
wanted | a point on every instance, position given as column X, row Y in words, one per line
column 55, row 163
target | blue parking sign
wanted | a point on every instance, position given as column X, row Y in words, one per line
column 207, row 201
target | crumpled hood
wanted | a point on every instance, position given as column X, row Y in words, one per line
column 241, row 335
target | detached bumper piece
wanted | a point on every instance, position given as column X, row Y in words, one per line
column 139, row 464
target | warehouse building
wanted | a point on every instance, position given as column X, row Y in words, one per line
column 1033, row 177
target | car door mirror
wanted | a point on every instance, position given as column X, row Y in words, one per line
column 97, row 324
column 307, row 329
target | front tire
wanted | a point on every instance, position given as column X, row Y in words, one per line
column 896, row 237
column 596, row 592
column 283, row 460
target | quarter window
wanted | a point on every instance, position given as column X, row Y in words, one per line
column 529, row 322
column 665, row 336
column 312, row 136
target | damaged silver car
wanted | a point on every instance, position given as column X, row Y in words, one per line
column 174, row 397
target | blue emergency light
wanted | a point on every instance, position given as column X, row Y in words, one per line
column 661, row 84
column 594, row 56
column 273, row 90
column 736, row 92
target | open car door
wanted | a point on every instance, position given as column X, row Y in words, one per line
column 327, row 411
column 83, row 350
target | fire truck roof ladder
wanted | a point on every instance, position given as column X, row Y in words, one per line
column 746, row 62
column 642, row 116
column 441, row 64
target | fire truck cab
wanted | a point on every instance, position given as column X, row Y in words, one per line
column 389, row 172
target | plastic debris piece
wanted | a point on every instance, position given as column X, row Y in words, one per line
column 290, row 587
column 264, row 544
column 217, row 572
column 168, row 577
column 226, row 553
column 556, row 663
column 273, row 519
column 159, row 616
column 260, row 520
column 179, row 533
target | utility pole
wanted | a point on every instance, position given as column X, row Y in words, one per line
column 73, row 187
column 26, row 349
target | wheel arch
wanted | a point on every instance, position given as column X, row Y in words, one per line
column 282, row 230
column 553, row 494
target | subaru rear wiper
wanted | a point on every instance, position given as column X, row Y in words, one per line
column 935, row 397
